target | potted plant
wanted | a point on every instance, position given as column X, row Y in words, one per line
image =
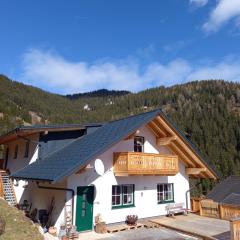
column 131, row 219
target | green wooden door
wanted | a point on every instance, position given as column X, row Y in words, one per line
column 84, row 213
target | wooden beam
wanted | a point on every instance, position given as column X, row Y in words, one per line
column 165, row 125
column 152, row 130
column 160, row 125
column 181, row 155
column 165, row 140
column 195, row 171
column 158, row 129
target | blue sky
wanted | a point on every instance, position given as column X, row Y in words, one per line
column 82, row 45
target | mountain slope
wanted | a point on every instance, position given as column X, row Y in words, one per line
column 207, row 111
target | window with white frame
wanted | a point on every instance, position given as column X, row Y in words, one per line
column 122, row 195
column 165, row 192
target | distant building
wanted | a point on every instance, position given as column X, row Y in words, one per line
column 86, row 107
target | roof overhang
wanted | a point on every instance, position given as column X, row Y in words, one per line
column 25, row 131
column 170, row 136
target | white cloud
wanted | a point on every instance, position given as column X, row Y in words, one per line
column 50, row 71
column 198, row 3
column 224, row 11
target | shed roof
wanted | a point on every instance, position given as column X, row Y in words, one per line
column 223, row 189
column 232, row 199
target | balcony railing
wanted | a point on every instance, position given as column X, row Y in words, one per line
column 137, row 163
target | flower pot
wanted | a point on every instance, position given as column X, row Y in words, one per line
column 52, row 230
column 131, row 219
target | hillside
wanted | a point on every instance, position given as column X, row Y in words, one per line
column 18, row 226
column 207, row 111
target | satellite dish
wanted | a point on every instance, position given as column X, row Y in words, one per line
column 99, row 167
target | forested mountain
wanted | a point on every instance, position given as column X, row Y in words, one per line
column 98, row 93
column 207, row 111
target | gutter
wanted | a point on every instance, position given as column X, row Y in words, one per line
column 61, row 189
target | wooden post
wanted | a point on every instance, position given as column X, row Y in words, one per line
column 200, row 208
column 235, row 228
column 221, row 212
column 1, row 187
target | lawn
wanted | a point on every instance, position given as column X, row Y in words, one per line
column 18, row 226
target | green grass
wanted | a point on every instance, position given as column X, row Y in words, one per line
column 18, row 226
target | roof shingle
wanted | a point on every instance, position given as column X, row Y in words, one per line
column 65, row 161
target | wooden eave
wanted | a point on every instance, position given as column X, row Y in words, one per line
column 12, row 136
column 174, row 141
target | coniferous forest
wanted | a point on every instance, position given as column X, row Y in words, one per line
column 208, row 112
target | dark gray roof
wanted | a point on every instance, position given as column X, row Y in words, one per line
column 232, row 199
column 223, row 189
column 55, row 126
column 79, row 152
column 50, row 126
column 65, row 161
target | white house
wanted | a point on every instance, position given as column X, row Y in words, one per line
column 134, row 165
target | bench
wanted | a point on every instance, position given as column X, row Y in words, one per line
column 173, row 208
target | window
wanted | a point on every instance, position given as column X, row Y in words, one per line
column 122, row 196
column 165, row 193
column 16, row 151
column 26, row 149
column 138, row 144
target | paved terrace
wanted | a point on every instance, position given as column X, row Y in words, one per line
column 204, row 227
column 169, row 228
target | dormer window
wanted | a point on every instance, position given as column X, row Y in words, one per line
column 16, row 151
column 138, row 144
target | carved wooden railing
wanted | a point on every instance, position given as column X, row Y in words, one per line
column 235, row 229
column 136, row 163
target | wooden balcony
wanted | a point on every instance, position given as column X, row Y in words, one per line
column 137, row 163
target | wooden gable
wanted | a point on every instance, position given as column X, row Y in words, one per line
column 170, row 137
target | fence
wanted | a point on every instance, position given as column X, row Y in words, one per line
column 235, row 229
column 195, row 204
column 228, row 212
column 209, row 208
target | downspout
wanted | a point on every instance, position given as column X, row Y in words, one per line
column 62, row 189
column 188, row 191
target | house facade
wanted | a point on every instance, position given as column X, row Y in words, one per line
column 136, row 165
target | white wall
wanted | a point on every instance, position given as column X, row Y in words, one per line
column 16, row 164
column 145, row 186
column 41, row 199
